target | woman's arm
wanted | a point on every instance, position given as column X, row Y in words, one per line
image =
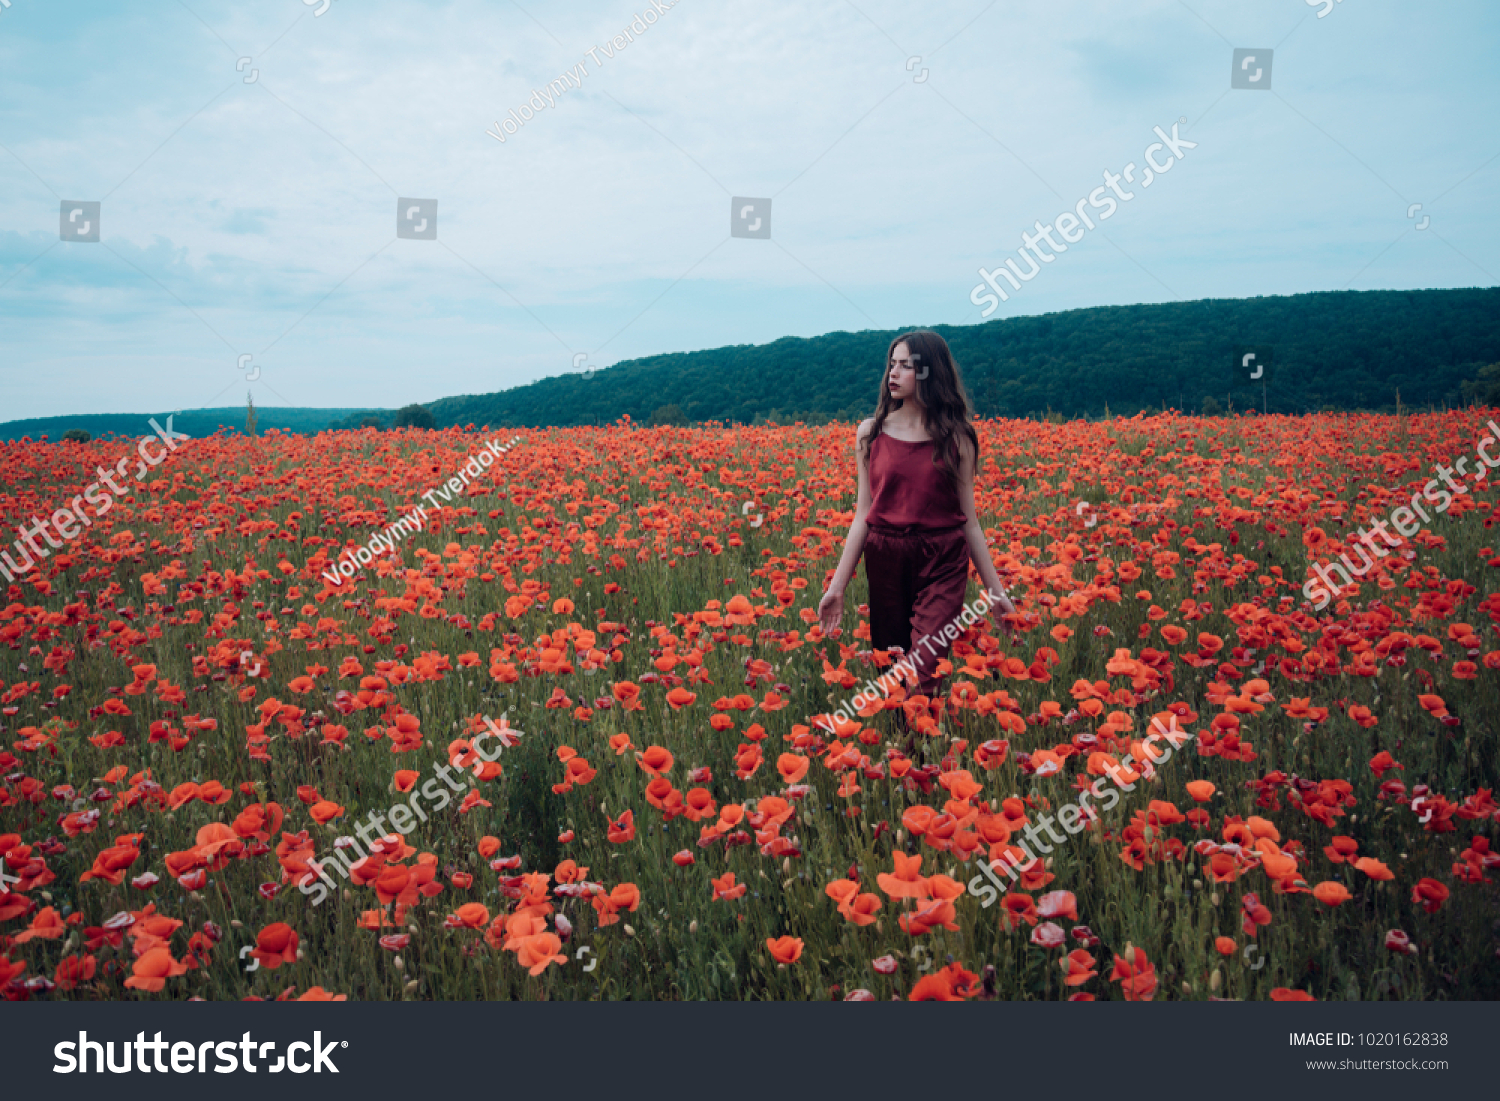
column 979, row 550
column 831, row 607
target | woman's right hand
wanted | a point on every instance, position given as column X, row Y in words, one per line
column 830, row 611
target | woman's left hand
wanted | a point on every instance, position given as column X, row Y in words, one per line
column 1003, row 609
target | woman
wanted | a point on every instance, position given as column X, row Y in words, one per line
column 914, row 520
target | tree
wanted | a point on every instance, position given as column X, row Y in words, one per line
column 415, row 416
column 668, row 414
column 1485, row 388
column 250, row 418
column 372, row 421
column 1211, row 407
column 76, row 435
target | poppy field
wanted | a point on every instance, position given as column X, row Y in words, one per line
column 194, row 719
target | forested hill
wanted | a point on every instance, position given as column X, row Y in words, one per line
column 196, row 423
column 1338, row 349
column 1326, row 350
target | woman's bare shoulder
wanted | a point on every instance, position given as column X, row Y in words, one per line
column 864, row 428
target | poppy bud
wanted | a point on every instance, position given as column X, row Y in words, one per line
column 398, row 964
column 629, row 931
column 693, row 926
column 1214, row 980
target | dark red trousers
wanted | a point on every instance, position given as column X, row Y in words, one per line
column 917, row 583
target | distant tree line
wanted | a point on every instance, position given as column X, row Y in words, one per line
column 1331, row 350
column 409, row 416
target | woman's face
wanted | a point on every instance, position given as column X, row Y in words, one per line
column 901, row 374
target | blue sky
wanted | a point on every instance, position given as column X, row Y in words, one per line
column 260, row 218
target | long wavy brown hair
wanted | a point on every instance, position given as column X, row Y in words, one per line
column 942, row 394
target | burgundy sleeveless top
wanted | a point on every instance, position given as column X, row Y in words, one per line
column 908, row 490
